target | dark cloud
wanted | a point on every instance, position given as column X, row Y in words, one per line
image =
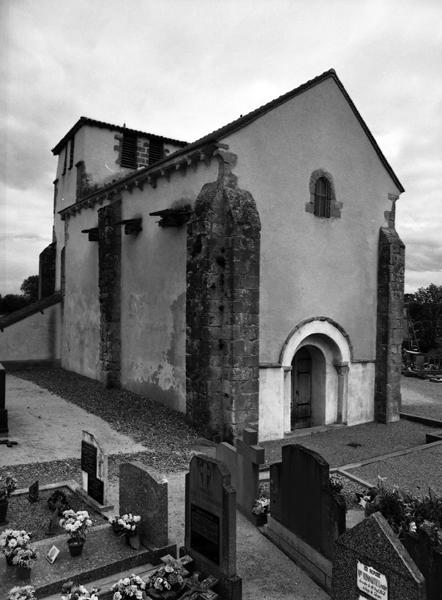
column 183, row 69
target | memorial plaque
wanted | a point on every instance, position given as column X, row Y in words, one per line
column 204, row 533
column 51, row 556
column 88, row 458
column 33, row 492
column 95, row 488
column 371, row 582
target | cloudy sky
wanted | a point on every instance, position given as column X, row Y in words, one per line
column 182, row 68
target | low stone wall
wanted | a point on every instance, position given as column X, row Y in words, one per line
column 32, row 334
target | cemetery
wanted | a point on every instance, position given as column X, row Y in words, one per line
column 354, row 540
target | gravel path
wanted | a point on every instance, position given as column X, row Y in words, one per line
column 344, row 445
column 155, row 426
column 422, row 397
column 414, row 472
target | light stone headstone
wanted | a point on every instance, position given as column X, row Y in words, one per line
column 243, row 463
column 210, row 524
column 371, row 563
column 144, row 492
column 94, row 468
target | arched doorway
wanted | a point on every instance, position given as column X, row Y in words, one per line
column 315, row 358
column 308, row 378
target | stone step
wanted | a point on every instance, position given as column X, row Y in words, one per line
column 104, row 555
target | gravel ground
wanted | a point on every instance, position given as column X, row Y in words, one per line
column 35, row 517
column 422, row 397
column 69, row 469
column 414, row 472
column 155, row 426
column 344, row 445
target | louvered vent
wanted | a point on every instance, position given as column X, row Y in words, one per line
column 155, row 150
column 128, row 157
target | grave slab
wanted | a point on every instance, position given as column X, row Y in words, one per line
column 144, row 492
column 371, row 562
column 104, row 554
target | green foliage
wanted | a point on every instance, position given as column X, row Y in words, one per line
column 406, row 513
column 425, row 311
column 29, row 287
column 12, row 302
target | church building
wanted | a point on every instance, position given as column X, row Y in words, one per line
column 251, row 278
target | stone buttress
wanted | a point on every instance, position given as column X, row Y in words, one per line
column 222, row 307
column 391, row 264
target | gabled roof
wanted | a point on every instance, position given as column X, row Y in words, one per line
column 102, row 125
column 222, row 132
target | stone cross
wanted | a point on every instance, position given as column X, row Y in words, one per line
column 200, row 589
column 243, row 463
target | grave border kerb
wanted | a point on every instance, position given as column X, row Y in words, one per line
column 75, row 488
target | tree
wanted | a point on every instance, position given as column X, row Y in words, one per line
column 425, row 311
column 11, row 302
column 29, row 287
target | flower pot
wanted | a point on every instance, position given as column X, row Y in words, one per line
column 3, row 511
column 260, row 519
column 9, row 559
column 75, row 547
column 23, row 573
column 133, row 540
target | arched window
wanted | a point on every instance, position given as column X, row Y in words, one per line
column 322, row 199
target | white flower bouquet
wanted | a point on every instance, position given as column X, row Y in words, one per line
column 128, row 588
column 12, row 540
column 8, row 484
column 25, row 592
column 76, row 524
column 71, row 591
column 126, row 523
column 261, row 506
column 24, row 557
column 165, row 580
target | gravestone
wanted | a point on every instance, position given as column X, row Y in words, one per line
column 145, row 493
column 210, row 524
column 93, row 468
column 243, row 463
column 372, row 564
column 33, row 492
column 302, row 500
column 306, row 516
column 3, row 411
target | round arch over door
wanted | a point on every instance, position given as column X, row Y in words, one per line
column 315, row 358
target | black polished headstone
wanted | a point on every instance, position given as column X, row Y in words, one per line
column 301, row 498
column 88, row 458
column 95, row 488
column 33, row 492
column 3, row 411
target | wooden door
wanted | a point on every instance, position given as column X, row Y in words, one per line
column 302, row 390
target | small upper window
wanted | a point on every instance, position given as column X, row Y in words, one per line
column 323, row 201
column 128, row 157
column 322, row 197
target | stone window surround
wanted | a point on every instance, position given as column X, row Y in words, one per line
column 335, row 207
